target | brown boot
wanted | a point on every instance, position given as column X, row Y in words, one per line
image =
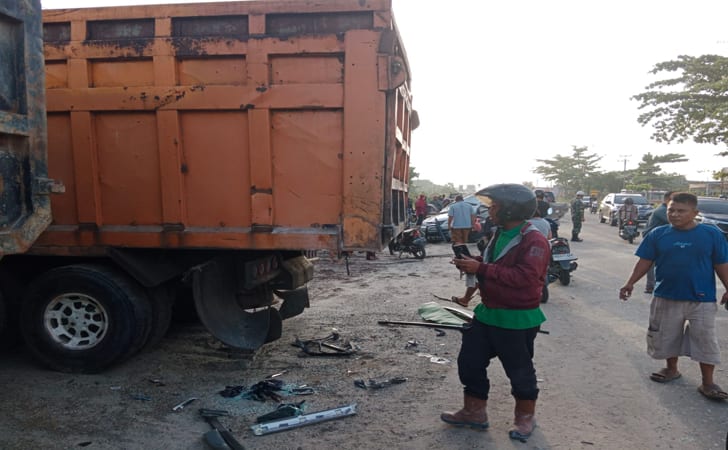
column 472, row 415
column 525, row 420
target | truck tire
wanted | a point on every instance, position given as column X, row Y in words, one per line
column 3, row 318
column 84, row 318
column 162, row 298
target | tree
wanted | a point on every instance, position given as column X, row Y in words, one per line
column 692, row 105
column 570, row 172
column 721, row 175
column 413, row 174
column 648, row 174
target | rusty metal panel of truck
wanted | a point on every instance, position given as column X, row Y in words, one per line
column 247, row 125
column 24, row 186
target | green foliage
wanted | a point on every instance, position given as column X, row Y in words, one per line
column 692, row 105
column 648, row 173
column 413, row 175
column 570, row 172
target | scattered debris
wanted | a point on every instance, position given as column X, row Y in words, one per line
column 115, row 388
column 282, row 372
column 374, row 384
column 306, row 419
column 435, row 312
column 424, row 324
column 435, row 359
column 282, row 411
column 324, row 346
column 465, row 315
column 440, row 332
column 85, row 443
column 269, row 388
column 180, row 406
column 219, row 437
column 412, row 343
column 156, row 381
column 142, row 397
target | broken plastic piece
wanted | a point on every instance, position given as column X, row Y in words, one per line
column 374, row 384
column 282, row 411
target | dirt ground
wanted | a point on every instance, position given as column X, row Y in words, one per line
column 591, row 368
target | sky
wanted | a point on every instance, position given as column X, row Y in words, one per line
column 500, row 84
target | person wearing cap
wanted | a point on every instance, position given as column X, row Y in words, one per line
column 577, row 216
column 511, row 273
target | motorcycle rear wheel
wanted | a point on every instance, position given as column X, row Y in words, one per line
column 419, row 253
column 564, row 277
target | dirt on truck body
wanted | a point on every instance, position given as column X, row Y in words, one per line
column 204, row 148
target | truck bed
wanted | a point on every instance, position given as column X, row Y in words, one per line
column 245, row 125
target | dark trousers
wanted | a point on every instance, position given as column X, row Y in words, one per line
column 514, row 349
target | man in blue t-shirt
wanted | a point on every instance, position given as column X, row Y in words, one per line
column 686, row 257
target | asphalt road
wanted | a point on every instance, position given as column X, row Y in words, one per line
column 607, row 338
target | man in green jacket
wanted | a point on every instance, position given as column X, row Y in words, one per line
column 511, row 275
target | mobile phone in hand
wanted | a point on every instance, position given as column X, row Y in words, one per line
column 461, row 250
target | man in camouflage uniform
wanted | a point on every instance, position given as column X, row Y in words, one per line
column 577, row 216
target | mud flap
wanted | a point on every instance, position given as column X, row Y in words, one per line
column 294, row 302
column 214, row 291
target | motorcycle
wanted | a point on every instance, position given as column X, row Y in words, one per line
column 562, row 263
column 408, row 241
column 628, row 231
column 593, row 207
column 554, row 226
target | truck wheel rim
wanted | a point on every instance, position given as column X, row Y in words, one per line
column 76, row 321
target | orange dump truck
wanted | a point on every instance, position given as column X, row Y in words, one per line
column 203, row 148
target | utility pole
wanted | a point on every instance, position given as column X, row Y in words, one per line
column 624, row 159
column 624, row 170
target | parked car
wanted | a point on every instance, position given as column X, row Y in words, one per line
column 429, row 227
column 611, row 203
column 713, row 211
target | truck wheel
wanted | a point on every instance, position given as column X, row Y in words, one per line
column 84, row 318
column 3, row 316
column 163, row 299
column 419, row 253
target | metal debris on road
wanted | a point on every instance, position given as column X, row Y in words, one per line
column 374, row 384
column 270, row 388
column 306, row 419
column 282, row 411
column 325, row 347
column 181, row 405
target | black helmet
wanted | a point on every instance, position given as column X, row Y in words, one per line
column 538, row 193
column 516, row 201
column 628, row 201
